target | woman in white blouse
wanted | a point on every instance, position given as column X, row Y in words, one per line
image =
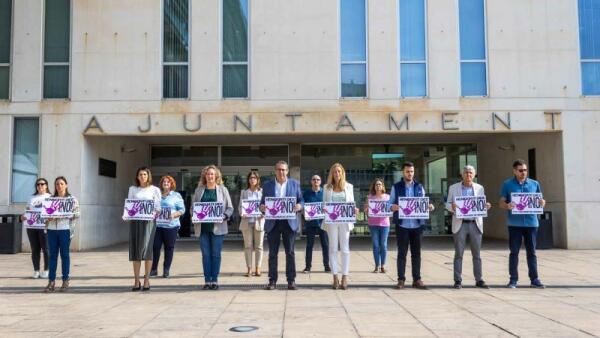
column 37, row 235
column 338, row 190
column 252, row 228
column 141, row 233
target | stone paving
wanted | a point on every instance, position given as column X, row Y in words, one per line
column 100, row 303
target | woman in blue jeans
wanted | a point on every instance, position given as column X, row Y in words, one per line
column 59, row 238
column 379, row 227
column 211, row 189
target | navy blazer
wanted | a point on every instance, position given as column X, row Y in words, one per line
column 291, row 190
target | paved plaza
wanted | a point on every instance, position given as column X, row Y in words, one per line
column 100, row 303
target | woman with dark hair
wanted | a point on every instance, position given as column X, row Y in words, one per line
column 252, row 228
column 172, row 207
column 37, row 236
column 141, row 233
column 59, row 237
column 379, row 227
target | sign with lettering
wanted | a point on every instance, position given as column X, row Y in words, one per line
column 58, row 207
column 33, row 220
column 250, row 208
column 164, row 217
column 340, row 212
column 138, row 210
column 379, row 208
column 313, row 211
column 470, row 206
column 413, row 207
column 526, row 203
column 208, row 212
column 280, row 207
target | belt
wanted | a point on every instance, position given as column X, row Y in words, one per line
column 469, row 221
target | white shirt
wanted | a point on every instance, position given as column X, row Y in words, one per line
column 280, row 189
column 148, row 193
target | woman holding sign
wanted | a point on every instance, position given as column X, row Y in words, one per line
column 212, row 208
column 167, row 224
column 252, row 224
column 379, row 222
column 142, row 227
column 36, row 227
column 337, row 190
column 60, row 214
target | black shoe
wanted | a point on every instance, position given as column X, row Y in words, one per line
column 457, row 285
column 481, row 284
column 271, row 286
column 292, row 286
column 146, row 288
column 536, row 283
column 153, row 273
column 327, row 269
column 306, row 270
column 214, row 286
column 206, row 287
column 166, row 274
column 137, row 288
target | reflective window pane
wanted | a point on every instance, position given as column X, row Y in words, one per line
column 25, row 158
column 175, row 82
column 413, row 80
column 412, row 30
column 235, row 81
column 176, row 33
column 200, row 156
column 5, row 30
column 56, row 82
column 590, row 76
column 253, row 155
column 354, row 80
column 473, row 79
column 353, row 30
column 472, row 29
column 4, row 82
column 589, row 28
column 235, row 30
column 57, row 33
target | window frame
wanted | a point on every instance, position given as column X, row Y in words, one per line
column 246, row 63
column 484, row 61
column 343, row 63
column 399, row 53
column 14, row 119
column 68, row 64
column 176, row 63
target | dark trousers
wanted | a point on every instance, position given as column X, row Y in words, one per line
column 311, row 232
column 279, row 231
column 405, row 238
column 164, row 237
column 38, row 242
column 58, row 242
column 516, row 235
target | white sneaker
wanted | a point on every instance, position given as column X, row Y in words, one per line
column 44, row 274
column 36, row 274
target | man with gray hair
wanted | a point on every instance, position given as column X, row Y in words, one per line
column 463, row 227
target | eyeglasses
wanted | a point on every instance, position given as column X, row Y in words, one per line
column 316, row 179
column 522, row 170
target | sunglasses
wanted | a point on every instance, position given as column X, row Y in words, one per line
column 41, row 184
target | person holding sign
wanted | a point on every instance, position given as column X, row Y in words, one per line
column 252, row 224
column 337, row 190
column 313, row 225
column 466, row 201
column 379, row 222
column 142, row 227
column 522, row 197
column 60, row 211
column 281, row 201
column 167, row 224
column 409, row 219
column 36, row 228
column 212, row 208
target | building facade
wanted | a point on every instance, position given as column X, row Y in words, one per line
column 93, row 89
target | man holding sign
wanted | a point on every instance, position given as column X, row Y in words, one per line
column 409, row 219
column 277, row 202
column 521, row 196
column 466, row 201
column 313, row 217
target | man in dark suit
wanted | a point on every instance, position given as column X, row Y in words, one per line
column 282, row 186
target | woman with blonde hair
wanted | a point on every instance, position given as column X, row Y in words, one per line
column 338, row 190
column 211, row 189
column 252, row 228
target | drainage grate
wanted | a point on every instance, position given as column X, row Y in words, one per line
column 243, row 328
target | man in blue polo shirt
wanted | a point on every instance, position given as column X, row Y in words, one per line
column 521, row 227
column 313, row 228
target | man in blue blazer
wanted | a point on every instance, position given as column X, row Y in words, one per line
column 282, row 186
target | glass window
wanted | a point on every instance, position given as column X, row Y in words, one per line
column 175, row 49
column 353, row 37
column 25, row 157
column 235, row 48
column 472, row 47
column 413, row 55
column 589, row 39
column 57, row 35
column 5, row 34
column 253, row 155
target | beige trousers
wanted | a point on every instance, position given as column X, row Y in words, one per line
column 253, row 242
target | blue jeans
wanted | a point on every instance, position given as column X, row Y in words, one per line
column 59, row 241
column 379, row 236
column 211, row 246
column 516, row 235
